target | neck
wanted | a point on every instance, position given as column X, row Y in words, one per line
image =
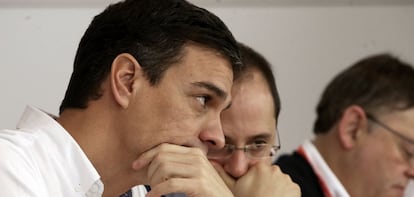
column 97, row 135
column 340, row 160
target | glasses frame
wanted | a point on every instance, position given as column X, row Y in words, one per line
column 388, row 128
column 246, row 149
column 407, row 154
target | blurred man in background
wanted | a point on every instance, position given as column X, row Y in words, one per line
column 364, row 144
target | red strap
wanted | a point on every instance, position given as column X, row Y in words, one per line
column 322, row 183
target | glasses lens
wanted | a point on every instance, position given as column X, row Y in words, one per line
column 257, row 151
column 221, row 153
column 253, row 151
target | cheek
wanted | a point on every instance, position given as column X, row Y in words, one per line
column 370, row 156
column 252, row 163
column 157, row 123
column 164, row 130
column 178, row 126
column 374, row 160
column 168, row 119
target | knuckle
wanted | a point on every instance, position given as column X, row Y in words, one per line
column 276, row 168
column 163, row 147
column 162, row 167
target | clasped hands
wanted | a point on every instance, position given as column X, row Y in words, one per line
column 178, row 169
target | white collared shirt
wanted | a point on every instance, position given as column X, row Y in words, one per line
column 322, row 170
column 139, row 191
column 40, row 159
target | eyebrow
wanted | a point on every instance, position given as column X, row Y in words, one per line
column 260, row 136
column 207, row 85
column 250, row 138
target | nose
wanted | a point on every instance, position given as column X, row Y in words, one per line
column 237, row 165
column 213, row 134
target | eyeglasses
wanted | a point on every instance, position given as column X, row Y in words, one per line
column 408, row 154
column 252, row 151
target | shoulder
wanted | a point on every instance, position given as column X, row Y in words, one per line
column 17, row 169
column 15, row 145
column 301, row 173
column 295, row 165
column 294, row 160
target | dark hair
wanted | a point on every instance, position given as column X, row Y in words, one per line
column 154, row 32
column 252, row 59
column 379, row 82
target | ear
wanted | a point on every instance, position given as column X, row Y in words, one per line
column 124, row 72
column 351, row 126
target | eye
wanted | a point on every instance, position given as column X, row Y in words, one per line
column 408, row 153
column 260, row 142
column 259, row 150
column 259, row 147
column 203, row 100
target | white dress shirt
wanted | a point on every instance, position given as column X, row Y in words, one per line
column 139, row 191
column 40, row 159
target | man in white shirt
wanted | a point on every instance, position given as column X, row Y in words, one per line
column 150, row 80
column 364, row 137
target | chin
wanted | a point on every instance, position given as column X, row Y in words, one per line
column 397, row 191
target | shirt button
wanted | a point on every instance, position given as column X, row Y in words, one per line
column 94, row 188
column 78, row 188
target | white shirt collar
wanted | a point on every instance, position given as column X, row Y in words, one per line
column 139, row 191
column 83, row 175
column 323, row 171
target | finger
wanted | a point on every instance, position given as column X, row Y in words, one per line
column 173, row 185
column 170, row 164
column 190, row 188
column 264, row 167
column 159, row 172
column 145, row 158
column 228, row 180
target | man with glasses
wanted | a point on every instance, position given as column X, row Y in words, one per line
column 364, row 134
column 251, row 137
